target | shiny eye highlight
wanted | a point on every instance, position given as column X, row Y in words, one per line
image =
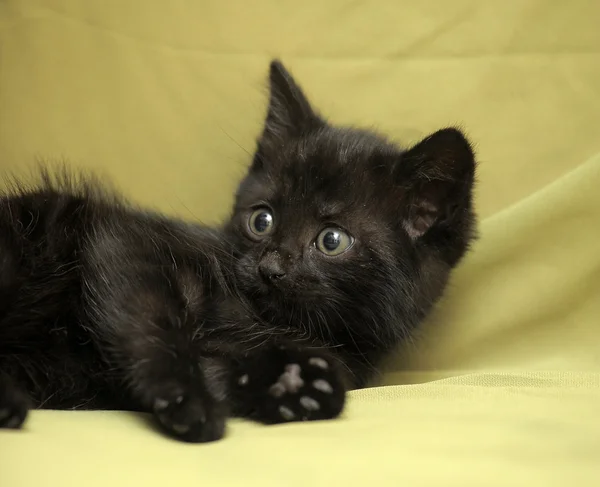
column 333, row 241
column 261, row 222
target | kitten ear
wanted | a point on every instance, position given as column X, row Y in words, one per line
column 289, row 113
column 438, row 175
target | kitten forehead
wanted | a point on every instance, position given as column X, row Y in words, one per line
column 327, row 172
column 334, row 155
column 330, row 209
column 344, row 145
column 338, row 165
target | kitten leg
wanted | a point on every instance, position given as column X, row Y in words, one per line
column 145, row 315
column 283, row 384
column 164, row 372
column 14, row 404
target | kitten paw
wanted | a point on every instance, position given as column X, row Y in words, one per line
column 308, row 388
column 13, row 407
column 193, row 417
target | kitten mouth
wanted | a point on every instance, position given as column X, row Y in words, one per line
column 285, row 294
column 284, row 289
column 265, row 287
column 262, row 287
column 268, row 287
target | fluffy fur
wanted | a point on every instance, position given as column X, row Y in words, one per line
column 339, row 243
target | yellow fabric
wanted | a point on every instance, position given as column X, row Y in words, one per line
column 166, row 99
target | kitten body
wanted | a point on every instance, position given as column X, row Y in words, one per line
column 339, row 244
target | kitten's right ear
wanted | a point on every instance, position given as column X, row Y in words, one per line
column 289, row 114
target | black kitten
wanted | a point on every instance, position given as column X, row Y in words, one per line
column 339, row 244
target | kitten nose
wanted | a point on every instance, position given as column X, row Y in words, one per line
column 270, row 269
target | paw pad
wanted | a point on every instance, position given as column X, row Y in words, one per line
column 160, row 404
column 309, row 403
column 319, row 362
column 286, row 413
column 323, row 386
column 289, row 382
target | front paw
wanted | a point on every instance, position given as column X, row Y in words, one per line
column 308, row 386
column 189, row 415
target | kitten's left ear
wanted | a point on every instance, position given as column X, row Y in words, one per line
column 290, row 113
column 437, row 175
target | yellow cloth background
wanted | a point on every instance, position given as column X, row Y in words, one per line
column 166, row 98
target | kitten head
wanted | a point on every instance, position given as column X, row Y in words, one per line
column 340, row 227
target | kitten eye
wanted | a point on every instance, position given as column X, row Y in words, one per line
column 261, row 222
column 333, row 241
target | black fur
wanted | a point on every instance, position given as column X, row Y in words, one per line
column 103, row 305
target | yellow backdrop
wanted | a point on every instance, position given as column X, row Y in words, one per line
column 502, row 386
